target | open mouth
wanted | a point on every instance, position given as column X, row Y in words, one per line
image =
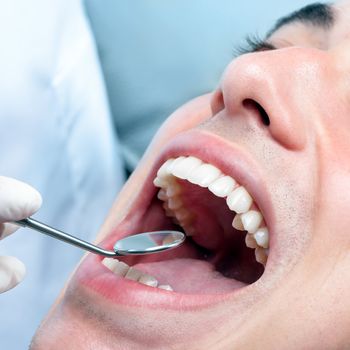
column 227, row 243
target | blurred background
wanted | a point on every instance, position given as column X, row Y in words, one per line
column 156, row 55
column 84, row 86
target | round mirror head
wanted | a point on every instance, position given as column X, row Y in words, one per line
column 149, row 242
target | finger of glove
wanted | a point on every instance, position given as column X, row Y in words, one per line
column 18, row 200
column 12, row 272
column 6, row 229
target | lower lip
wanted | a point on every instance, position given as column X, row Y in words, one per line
column 96, row 277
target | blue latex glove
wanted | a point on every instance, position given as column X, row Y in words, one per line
column 17, row 201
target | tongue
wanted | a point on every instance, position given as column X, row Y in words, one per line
column 190, row 276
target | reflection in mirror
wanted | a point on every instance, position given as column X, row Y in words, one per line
column 149, row 242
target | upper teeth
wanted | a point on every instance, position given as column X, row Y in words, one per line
column 223, row 186
column 238, row 199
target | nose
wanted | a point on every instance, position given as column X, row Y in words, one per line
column 272, row 89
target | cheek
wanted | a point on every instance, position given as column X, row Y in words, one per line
column 335, row 203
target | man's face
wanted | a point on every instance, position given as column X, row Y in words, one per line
column 270, row 149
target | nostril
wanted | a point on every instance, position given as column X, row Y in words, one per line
column 251, row 104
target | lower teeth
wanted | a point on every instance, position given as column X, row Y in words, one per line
column 166, row 287
column 122, row 269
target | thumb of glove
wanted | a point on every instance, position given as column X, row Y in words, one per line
column 12, row 272
column 17, row 201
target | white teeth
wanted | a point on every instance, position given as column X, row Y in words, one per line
column 262, row 237
column 165, row 287
column 118, row 267
column 173, row 165
column 162, row 195
column 184, row 168
column 239, row 200
column 168, row 211
column 251, row 220
column 261, row 255
column 174, row 203
column 163, row 170
column 148, row 280
column 237, row 223
column 157, row 182
column 223, row 186
column 250, row 241
column 160, row 182
column 133, row 274
column 121, row 269
column 204, row 175
column 110, row 263
column 173, row 189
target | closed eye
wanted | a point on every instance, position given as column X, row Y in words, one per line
column 253, row 43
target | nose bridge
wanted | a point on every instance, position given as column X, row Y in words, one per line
column 279, row 81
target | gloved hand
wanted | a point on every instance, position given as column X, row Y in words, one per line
column 17, row 201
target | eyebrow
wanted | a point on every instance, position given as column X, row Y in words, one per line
column 318, row 14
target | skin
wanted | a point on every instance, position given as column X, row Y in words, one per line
column 303, row 161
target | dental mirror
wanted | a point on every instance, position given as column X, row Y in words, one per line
column 149, row 242
column 138, row 244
